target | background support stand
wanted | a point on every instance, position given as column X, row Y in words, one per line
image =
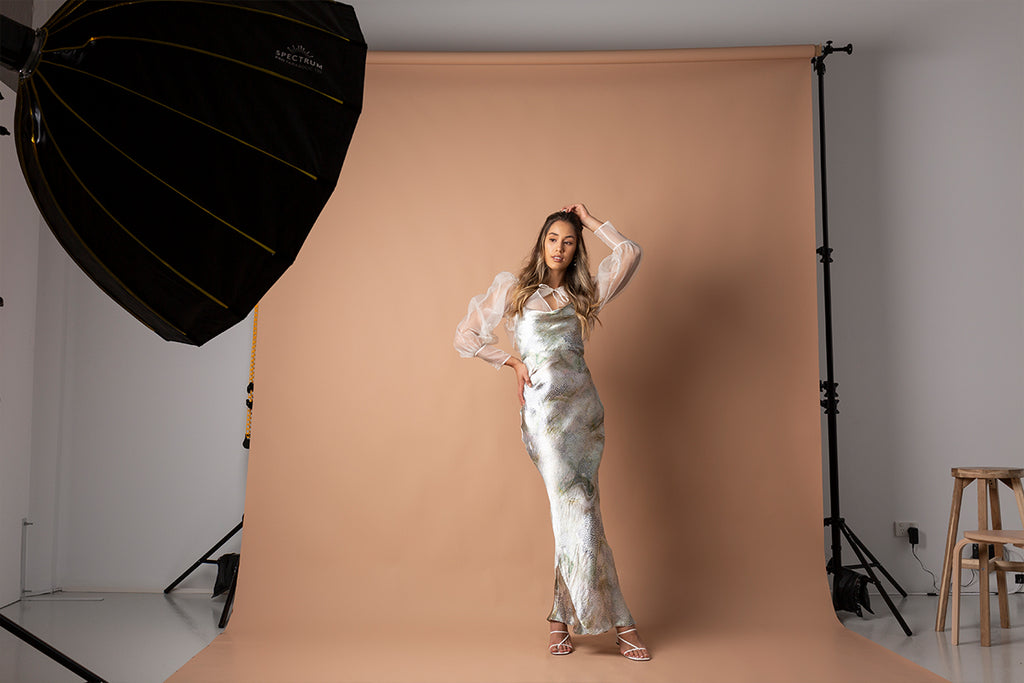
column 830, row 399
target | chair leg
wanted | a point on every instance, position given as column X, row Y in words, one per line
column 982, row 505
column 986, row 601
column 958, row 553
column 1018, row 493
column 947, row 559
column 997, row 523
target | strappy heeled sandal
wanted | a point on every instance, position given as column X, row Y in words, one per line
column 632, row 647
column 563, row 641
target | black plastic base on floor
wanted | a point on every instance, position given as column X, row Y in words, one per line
column 867, row 562
column 205, row 559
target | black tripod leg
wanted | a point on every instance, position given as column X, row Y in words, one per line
column 50, row 651
column 230, row 602
column 874, row 580
column 204, row 558
column 856, row 542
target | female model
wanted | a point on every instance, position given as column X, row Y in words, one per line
column 550, row 308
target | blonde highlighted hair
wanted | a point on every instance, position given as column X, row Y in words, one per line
column 579, row 284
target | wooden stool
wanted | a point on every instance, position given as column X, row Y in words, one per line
column 986, row 564
column 988, row 497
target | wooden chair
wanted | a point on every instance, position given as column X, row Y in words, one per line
column 988, row 479
column 986, row 565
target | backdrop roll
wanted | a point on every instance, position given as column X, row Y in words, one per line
column 396, row 528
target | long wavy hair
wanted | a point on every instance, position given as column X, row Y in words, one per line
column 579, row 283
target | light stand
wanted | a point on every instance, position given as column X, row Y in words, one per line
column 232, row 579
column 848, row 587
column 48, row 650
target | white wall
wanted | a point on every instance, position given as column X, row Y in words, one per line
column 49, row 429
column 19, row 237
column 136, row 467
column 926, row 176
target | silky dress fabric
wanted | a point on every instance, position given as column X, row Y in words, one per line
column 563, row 429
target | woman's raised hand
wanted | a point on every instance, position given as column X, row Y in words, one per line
column 589, row 222
column 522, row 376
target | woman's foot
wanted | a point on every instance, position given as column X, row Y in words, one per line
column 630, row 644
column 560, row 643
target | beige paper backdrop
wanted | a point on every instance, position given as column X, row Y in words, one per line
column 396, row 529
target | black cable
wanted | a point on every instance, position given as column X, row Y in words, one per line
column 913, row 549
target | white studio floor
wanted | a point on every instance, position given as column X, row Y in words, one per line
column 122, row 637
column 145, row 637
column 968, row 662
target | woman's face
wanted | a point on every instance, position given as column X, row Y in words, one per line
column 559, row 246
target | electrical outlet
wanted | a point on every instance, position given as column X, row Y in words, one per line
column 899, row 529
column 1019, row 578
column 974, row 551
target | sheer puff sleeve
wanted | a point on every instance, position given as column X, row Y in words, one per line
column 617, row 269
column 474, row 336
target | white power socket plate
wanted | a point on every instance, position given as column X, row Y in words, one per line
column 900, row 528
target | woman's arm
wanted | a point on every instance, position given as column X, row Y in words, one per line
column 522, row 376
column 618, row 268
column 474, row 335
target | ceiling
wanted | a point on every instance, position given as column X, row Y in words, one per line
column 515, row 25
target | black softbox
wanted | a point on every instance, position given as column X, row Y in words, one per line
column 181, row 150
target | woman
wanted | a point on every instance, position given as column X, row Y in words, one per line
column 550, row 308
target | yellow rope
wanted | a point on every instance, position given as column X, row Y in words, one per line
column 252, row 375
